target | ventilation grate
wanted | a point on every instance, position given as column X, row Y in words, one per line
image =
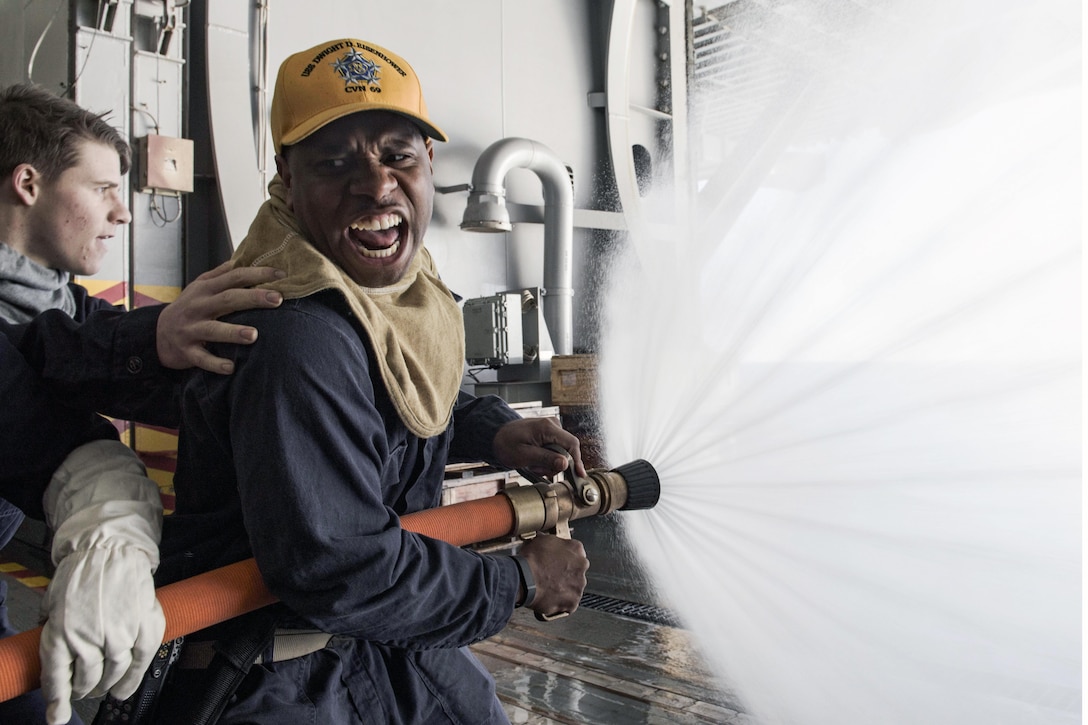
column 634, row 610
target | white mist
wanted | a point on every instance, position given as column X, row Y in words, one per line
column 864, row 397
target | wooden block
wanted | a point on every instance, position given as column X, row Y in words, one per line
column 463, row 484
column 574, row 380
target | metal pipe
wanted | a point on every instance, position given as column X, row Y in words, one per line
column 486, row 212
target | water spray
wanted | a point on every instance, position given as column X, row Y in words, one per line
column 543, row 505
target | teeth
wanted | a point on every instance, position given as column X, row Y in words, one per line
column 375, row 224
column 380, row 253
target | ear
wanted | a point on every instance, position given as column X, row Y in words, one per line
column 284, row 170
column 26, row 183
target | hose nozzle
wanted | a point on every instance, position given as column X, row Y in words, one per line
column 629, row 487
column 643, row 485
column 546, row 506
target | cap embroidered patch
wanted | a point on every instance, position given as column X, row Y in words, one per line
column 354, row 68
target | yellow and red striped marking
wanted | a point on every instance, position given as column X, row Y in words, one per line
column 24, row 576
column 156, row 446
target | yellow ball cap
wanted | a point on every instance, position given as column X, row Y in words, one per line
column 341, row 77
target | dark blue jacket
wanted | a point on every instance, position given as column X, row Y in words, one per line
column 299, row 459
column 57, row 371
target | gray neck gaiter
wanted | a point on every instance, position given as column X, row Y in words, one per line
column 28, row 289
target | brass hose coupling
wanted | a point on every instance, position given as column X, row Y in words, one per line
column 547, row 505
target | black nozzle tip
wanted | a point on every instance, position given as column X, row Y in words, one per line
column 643, row 485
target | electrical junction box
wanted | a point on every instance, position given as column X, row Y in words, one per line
column 165, row 163
column 493, row 330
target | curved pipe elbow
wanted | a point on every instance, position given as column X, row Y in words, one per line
column 486, row 212
column 496, row 161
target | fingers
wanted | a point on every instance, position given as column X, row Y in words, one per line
column 235, row 299
column 524, row 443
column 549, row 435
column 579, row 465
column 198, row 357
column 551, row 461
column 216, row 331
column 189, row 323
column 572, row 445
column 123, row 668
column 56, row 678
column 143, row 652
column 559, row 567
column 223, row 277
column 86, row 676
column 109, row 670
column 128, row 684
column 547, row 462
column 222, row 291
column 58, row 712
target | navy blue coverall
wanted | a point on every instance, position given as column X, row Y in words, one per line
column 299, row 459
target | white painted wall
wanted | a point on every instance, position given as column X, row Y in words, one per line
column 491, row 69
column 25, row 27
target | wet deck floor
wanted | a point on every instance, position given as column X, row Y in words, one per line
column 595, row 667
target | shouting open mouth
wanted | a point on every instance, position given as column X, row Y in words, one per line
column 377, row 237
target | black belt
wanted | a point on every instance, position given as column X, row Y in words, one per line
column 287, row 644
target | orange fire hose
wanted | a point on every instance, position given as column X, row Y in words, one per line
column 215, row 596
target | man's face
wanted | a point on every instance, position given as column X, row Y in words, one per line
column 362, row 190
column 74, row 215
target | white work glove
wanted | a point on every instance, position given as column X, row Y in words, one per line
column 103, row 623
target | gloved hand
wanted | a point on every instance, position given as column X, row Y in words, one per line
column 103, row 623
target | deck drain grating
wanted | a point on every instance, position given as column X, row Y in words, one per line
column 634, row 610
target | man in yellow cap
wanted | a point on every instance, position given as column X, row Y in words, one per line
column 341, row 422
